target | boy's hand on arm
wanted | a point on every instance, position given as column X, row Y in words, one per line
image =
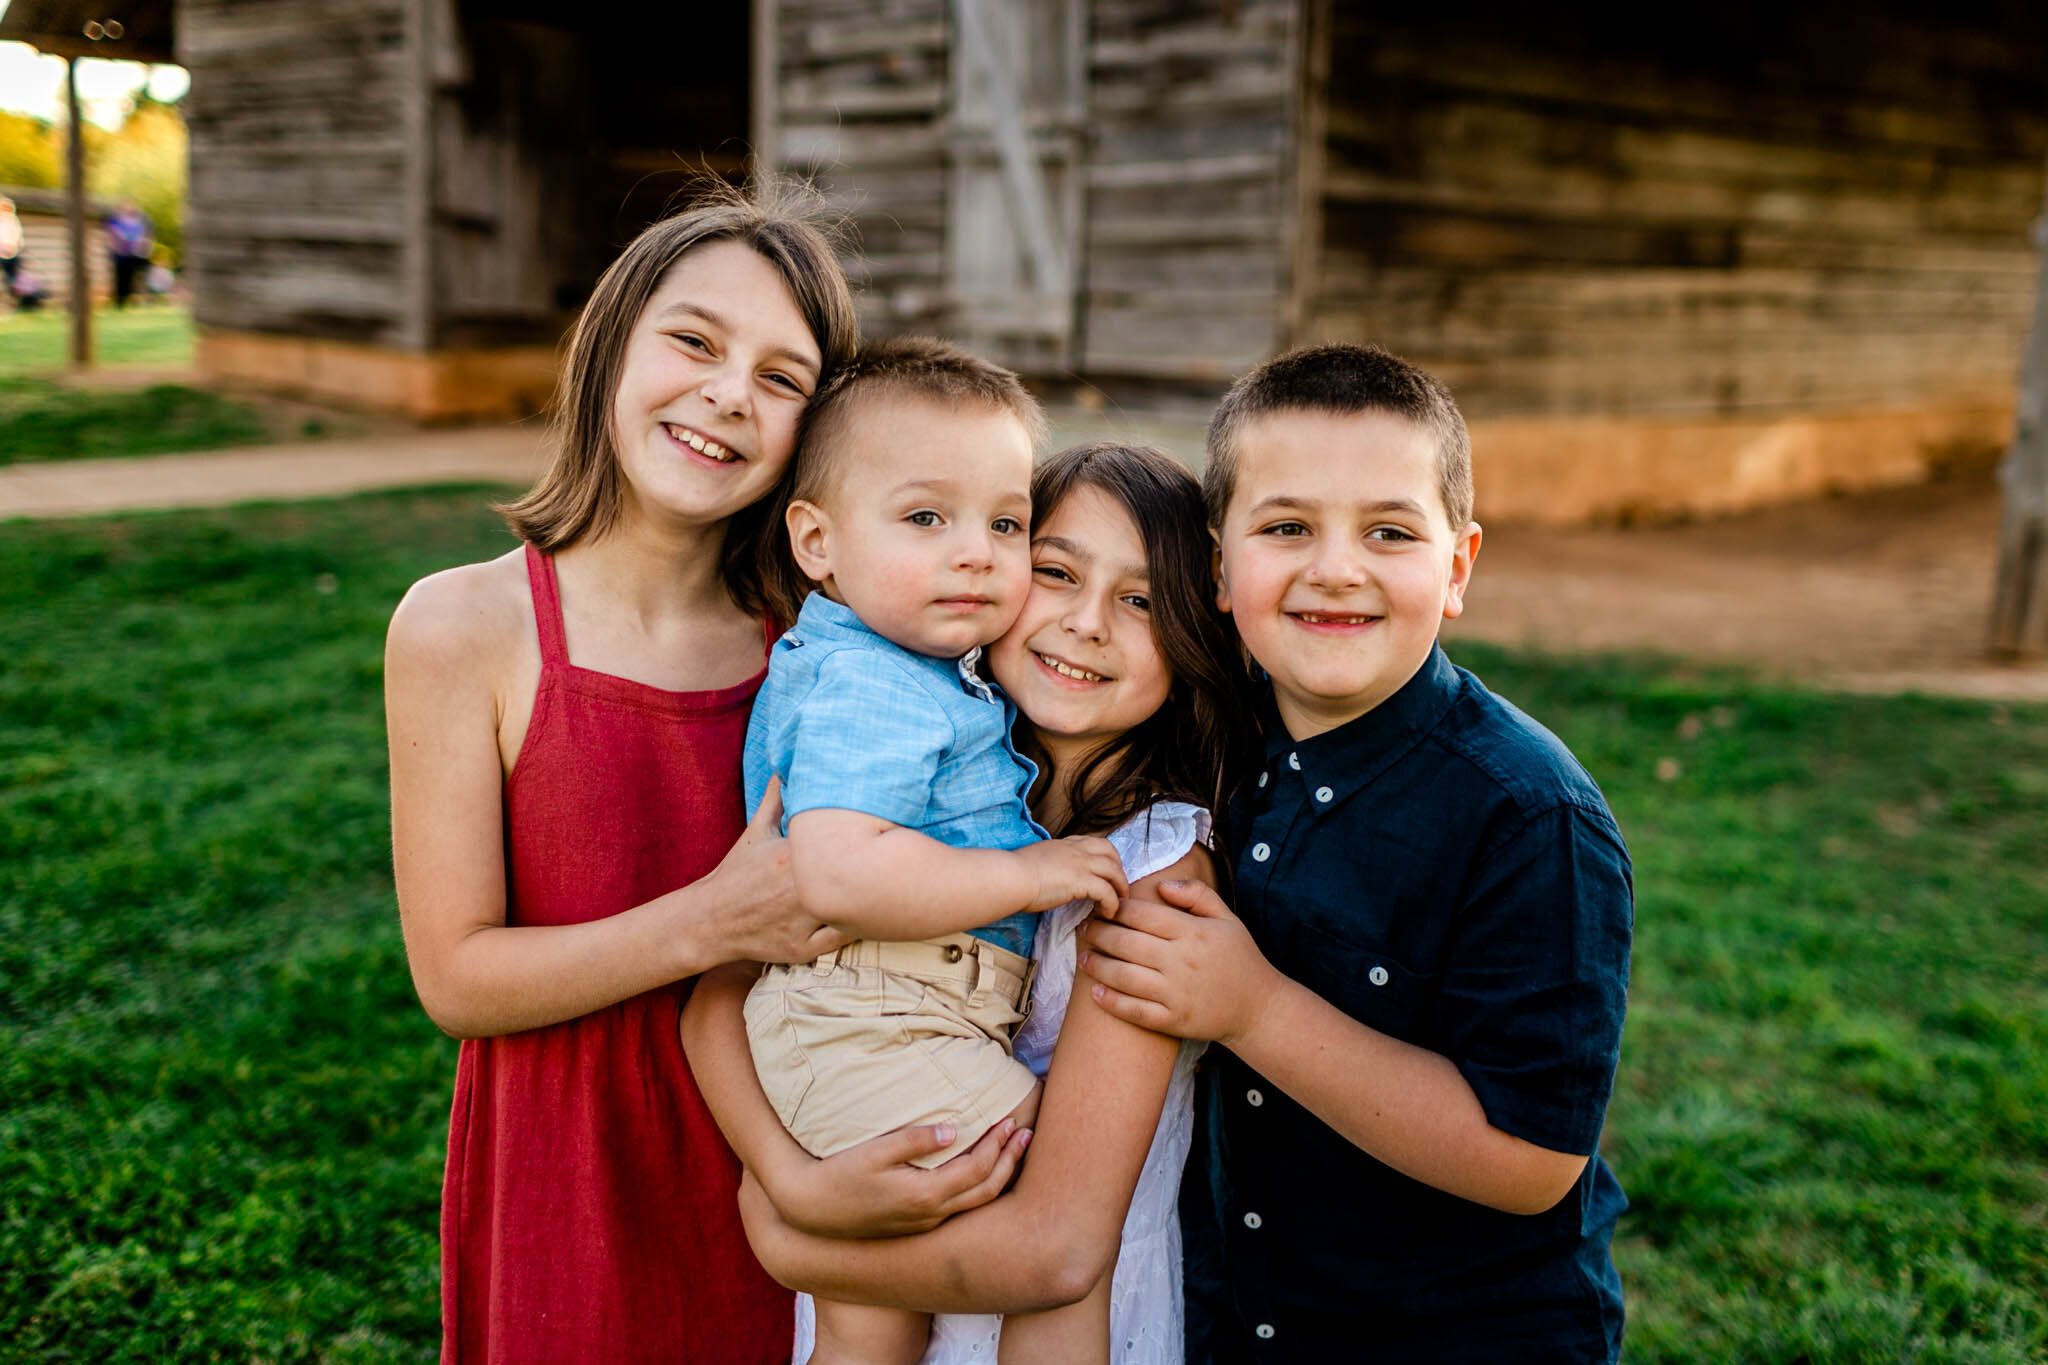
column 1187, row 967
column 1080, row 867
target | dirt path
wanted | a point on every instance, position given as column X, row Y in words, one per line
column 1883, row 592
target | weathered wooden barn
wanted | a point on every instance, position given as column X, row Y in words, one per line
column 1668, row 261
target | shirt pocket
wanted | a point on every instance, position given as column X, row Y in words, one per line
column 1366, row 982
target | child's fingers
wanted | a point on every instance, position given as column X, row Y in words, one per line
column 1195, row 897
column 1148, row 1014
column 906, row 1145
column 1150, row 917
column 1007, row 1143
column 1121, row 974
column 767, row 821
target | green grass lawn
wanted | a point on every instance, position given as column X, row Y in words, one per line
column 157, row 336
column 224, row 1113
column 46, row 417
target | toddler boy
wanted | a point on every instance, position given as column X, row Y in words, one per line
column 903, row 797
column 1421, row 992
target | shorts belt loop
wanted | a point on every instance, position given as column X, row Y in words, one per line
column 981, row 976
column 825, row 963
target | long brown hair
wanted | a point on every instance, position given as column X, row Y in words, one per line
column 1198, row 744
column 580, row 495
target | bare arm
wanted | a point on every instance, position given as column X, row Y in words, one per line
column 1199, row 975
column 445, row 660
column 1051, row 1239
column 876, row 880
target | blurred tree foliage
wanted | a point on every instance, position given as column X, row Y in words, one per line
column 31, row 152
column 143, row 160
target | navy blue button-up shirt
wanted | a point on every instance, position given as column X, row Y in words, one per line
column 1442, row 870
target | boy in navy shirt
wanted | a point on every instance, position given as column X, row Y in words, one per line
column 1419, row 999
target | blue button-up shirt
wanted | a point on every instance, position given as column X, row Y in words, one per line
column 1442, row 870
column 850, row 721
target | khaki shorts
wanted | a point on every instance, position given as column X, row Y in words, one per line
column 873, row 1037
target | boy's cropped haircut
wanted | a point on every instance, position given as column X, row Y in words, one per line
column 1342, row 380
column 901, row 367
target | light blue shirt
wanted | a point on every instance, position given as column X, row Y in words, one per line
column 850, row 721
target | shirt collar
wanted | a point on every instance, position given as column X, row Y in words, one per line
column 822, row 619
column 1359, row 750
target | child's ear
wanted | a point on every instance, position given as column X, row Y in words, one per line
column 1216, row 573
column 810, row 539
column 1463, row 554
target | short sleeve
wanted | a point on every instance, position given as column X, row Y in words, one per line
column 867, row 738
column 1537, row 979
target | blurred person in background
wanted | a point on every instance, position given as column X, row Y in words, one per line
column 129, row 239
column 10, row 244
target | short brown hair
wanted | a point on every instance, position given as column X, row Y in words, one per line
column 580, row 494
column 1342, row 380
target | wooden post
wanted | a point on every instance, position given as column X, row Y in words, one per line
column 74, row 222
column 2019, row 611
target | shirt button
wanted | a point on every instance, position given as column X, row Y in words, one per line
column 1378, row 976
column 1252, row 1220
column 1261, row 852
column 1264, row 1331
column 1324, row 793
column 1263, row 777
column 1254, row 1098
column 1294, row 762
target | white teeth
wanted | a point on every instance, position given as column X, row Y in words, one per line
column 702, row 445
column 1067, row 670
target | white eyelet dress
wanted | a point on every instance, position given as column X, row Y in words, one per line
column 1145, row 1293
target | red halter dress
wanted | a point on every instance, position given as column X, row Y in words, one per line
column 589, row 1208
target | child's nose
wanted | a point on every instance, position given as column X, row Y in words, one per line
column 1085, row 619
column 725, row 389
column 1338, row 564
column 974, row 548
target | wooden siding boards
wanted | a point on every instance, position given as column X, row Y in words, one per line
column 299, row 161
column 1189, row 178
column 862, row 89
column 1813, row 212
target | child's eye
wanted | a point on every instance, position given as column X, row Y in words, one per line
column 1138, row 601
column 789, row 383
column 1389, row 533
column 1006, row 526
column 923, row 516
column 1054, row 572
column 692, row 340
column 1284, row 529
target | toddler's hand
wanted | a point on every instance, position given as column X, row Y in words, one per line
column 1078, row 868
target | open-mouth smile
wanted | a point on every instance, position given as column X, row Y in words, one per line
column 1067, row 670
column 702, row 444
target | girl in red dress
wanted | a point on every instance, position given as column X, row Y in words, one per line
column 565, row 726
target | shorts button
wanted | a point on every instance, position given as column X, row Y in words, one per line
column 1378, row 976
column 1261, row 852
column 1254, row 1098
column 953, row 955
column 1264, row 1331
column 1252, row 1220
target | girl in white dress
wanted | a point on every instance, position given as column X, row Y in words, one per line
column 1135, row 706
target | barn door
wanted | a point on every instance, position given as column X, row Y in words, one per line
column 1015, row 137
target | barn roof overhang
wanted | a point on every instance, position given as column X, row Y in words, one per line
column 127, row 30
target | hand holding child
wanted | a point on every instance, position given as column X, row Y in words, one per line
column 1077, row 868
column 762, row 920
column 1194, row 975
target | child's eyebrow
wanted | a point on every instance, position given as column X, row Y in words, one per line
column 1284, row 502
column 1134, row 569
column 718, row 320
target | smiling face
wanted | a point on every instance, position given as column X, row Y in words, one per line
column 1337, row 560
column 715, row 374
column 1082, row 662
column 924, row 531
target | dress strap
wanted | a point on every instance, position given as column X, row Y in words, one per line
column 547, row 606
